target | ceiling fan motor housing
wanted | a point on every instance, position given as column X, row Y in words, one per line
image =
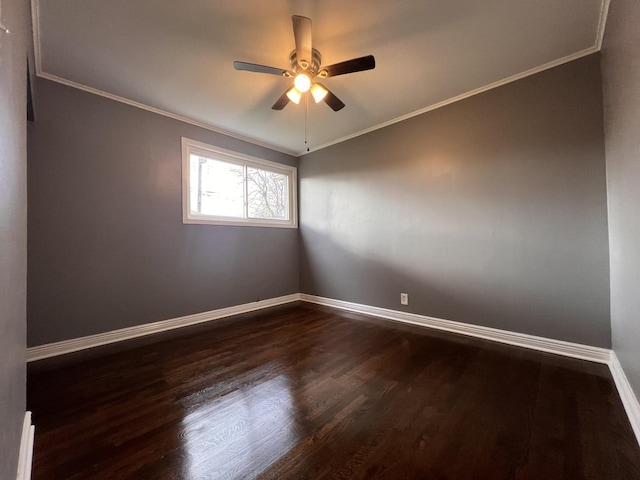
column 312, row 69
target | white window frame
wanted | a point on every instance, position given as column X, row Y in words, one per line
column 190, row 147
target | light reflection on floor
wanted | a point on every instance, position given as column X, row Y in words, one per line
column 240, row 434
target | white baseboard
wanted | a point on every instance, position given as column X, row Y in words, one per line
column 76, row 344
column 26, row 449
column 549, row 345
column 628, row 397
column 559, row 347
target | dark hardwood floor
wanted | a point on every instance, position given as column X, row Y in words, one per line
column 306, row 392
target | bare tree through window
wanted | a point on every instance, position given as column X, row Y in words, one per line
column 266, row 194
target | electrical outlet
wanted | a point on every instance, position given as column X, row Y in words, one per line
column 404, row 299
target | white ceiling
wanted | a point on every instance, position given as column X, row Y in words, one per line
column 176, row 58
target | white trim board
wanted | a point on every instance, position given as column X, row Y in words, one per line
column 558, row 347
column 82, row 343
column 549, row 345
column 458, row 98
column 25, row 457
column 602, row 24
column 628, row 397
column 35, row 20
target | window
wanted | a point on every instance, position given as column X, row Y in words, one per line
column 222, row 187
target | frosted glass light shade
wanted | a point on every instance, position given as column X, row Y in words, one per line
column 294, row 95
column 302, row 82
column 318, row 92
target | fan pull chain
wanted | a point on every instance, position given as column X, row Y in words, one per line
column 306, row 121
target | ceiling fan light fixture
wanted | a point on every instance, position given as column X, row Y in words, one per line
column 294, row 95
column 302, row 82
column 306, row 67
column 318, row 92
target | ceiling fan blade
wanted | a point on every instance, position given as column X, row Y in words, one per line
column 281, row 102
column 254, row 67
column 351, row 66
column 302, row 35
column 330, row 99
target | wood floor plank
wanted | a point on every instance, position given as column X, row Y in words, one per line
column 308, row 392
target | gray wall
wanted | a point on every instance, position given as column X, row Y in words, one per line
column 13, row 233
column 621, row 75
column 107, row 247
column 490, row 211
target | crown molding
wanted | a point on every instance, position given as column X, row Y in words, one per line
column 471, row 93
column 35, row 20
column 164, row 113
column 602, row 23
column 35, row 12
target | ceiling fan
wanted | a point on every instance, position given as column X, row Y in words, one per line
column 306, row 68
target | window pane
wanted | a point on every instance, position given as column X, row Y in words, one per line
column 267, row 194
column 216, row 188
column 222, row 187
